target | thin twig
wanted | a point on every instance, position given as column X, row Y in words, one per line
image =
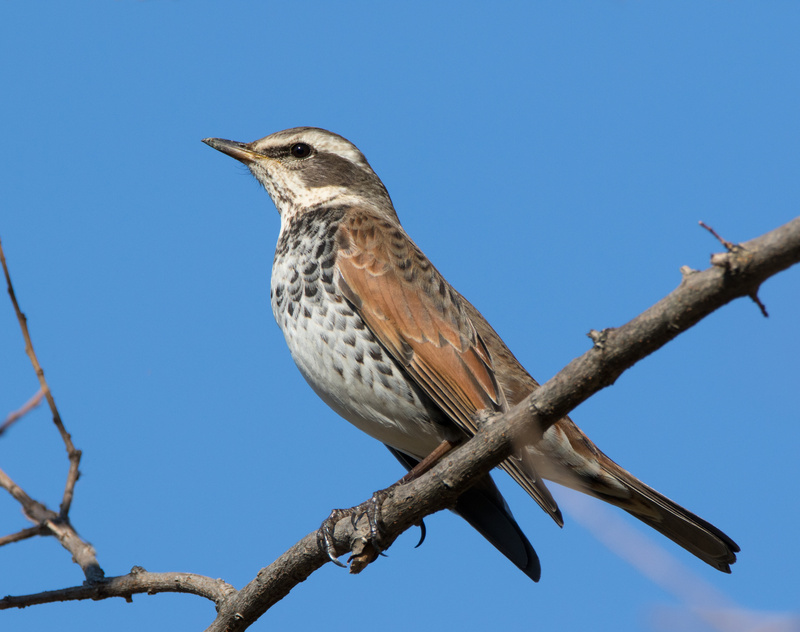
column 47, row 521
column 73, row 454
column 761, row 306
column 136, row 582
column 18, row 414
column 728, row 245
column 24, row 534
column 731, row 264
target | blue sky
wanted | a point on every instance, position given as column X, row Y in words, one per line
column 553, row 160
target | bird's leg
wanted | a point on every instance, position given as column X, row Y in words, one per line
column 428, row 462
column 372, row 507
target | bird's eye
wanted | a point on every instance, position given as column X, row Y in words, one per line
column 300, row 150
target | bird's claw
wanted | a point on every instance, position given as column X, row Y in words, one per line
column 373, row 513
column 370, row 509
column 325, row 535
column 422, row 533
column 355, row 517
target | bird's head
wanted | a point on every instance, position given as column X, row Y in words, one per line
column 306, row 167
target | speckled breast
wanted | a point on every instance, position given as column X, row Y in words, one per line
column 337, row 354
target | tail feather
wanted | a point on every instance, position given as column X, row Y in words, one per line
column 680, row 525
column 567, row 456
column 485, row 509
column 606, row 480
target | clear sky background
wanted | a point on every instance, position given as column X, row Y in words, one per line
column 552, row 159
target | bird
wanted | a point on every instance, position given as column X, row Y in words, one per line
column 385, row 341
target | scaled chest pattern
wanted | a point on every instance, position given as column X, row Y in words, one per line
column 337, row 354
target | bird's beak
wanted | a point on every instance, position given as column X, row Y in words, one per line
column 240, row 151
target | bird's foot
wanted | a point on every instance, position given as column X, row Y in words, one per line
column 325, row 539
column 364, row 547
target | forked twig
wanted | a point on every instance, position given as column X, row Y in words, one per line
column 73, row 454
column 49, row 522
column 724, row 261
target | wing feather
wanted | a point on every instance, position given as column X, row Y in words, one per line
column 426, row 326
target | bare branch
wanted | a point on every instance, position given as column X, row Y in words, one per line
column 24, row 534
column 734, row 274
column 33, row 510
column 734, row 248
column 51, row 523
column 18, row 414
column 125, row 586
column 73, row 454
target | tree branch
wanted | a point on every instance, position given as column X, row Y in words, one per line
column 125, row 586
column 47, row 521
column 734, row 274
column 50, row 523
column 739, row 272
column 73, row 454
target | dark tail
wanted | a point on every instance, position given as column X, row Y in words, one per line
column 483, row 507
column 680, row 525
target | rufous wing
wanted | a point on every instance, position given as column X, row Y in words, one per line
column 424, row 324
